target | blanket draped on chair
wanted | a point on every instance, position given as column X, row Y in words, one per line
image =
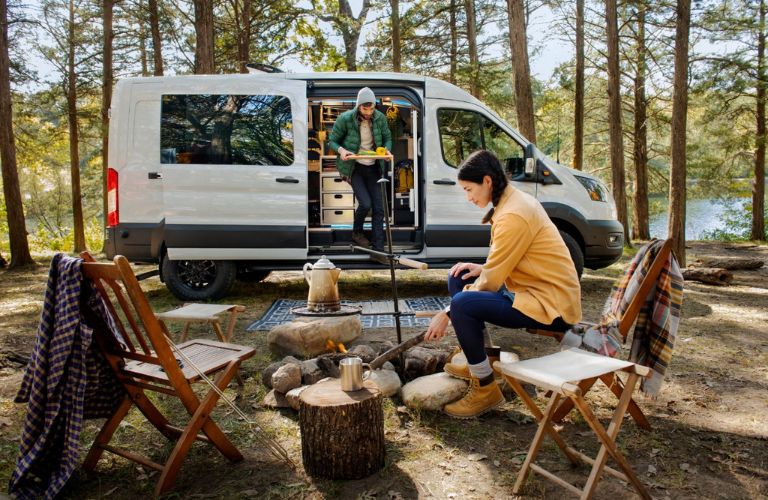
column 657, row 321
column 67, row 380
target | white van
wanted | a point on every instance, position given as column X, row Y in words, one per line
column 224, row 177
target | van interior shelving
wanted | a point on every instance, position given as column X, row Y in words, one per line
column 331, row 200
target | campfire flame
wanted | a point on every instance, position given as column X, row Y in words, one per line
column 334, row 347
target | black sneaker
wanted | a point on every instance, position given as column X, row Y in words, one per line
column 360, row 240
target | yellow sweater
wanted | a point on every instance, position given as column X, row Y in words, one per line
column 528, row 256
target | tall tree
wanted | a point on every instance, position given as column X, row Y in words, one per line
column 349, row 26
column 474, row 58
column 396, row 63
column 757, row 231
column 677, row 174
column 519, row 46
column 578, row 111
column 17, row 230
column 106, row 95
column 454, row 51
column 243, row 20
column 614, row 116
column 204, row 40
column 154, row 26
column 74, row 135
column 640, row 228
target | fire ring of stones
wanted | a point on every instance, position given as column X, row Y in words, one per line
column 344, row 310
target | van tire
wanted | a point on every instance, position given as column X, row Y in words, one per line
column 577, row 256
column 198, row 279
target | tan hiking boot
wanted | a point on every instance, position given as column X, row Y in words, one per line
column 477, row 401
column 360, row 240
column 462, row 370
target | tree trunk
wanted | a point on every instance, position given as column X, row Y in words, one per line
column 143, row 58
column 640, row 228
column 474, row 63
column 106, row 99
column 519, row 46
column 244, row 36
column 454, row 44
column 758, row 185
column 74, row 137
column 578, row 112
column 677, row 195
column 17, row 229
column 350, row 28
column 154, row 26
column 396, row 66
column 204, row 62
column 614, row 116
column 342, row 433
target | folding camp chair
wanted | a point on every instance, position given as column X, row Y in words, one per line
column 625, row 324
column 144, row 359
column 561, row 374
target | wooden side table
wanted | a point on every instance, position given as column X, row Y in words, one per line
column 204, row 313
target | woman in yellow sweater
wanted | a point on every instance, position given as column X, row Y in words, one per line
column 527, row 281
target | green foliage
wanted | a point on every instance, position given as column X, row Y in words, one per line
column 737, row 222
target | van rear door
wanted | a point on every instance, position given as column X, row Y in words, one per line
column 234, row 168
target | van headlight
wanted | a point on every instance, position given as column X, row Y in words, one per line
column 597, row 191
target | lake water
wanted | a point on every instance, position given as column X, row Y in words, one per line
column 702, row 216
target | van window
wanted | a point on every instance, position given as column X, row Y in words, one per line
column 463, row 131
column 226, row 130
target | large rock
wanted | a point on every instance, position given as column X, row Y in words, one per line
column 307, row 337
column 266, row 375
column 275, row 399
column 387, row 380
column 311, row 372
column 364, row 352
column 286, row 377
column 433, row 391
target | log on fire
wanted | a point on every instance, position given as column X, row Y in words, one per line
column 342, row 433
column 708, row 275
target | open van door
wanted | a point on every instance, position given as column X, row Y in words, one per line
column 234, row 168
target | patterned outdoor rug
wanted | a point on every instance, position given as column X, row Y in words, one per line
column 280, row 312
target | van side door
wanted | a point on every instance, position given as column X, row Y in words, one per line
column 234, row 168
column 454, row 130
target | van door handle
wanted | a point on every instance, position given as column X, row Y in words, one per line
column 154, row 175
column 444, row 182
column 289, row 180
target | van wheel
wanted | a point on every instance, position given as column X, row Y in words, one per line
column 577, row 256
column 198, row 279
column 253, row 276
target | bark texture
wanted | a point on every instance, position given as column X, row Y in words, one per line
column 204, row 60
column 758, row 185
column 522, row 72
column 578, row 111
column 74, row 137
column 474, row 60
column 157, row 44
column 106, row 97
column 396, row 63
column 640, row 226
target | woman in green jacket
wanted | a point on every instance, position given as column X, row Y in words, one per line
column 363, row 128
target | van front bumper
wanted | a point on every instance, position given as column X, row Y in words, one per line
column 603, row 243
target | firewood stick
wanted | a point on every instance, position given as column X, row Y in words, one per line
column 397, row 350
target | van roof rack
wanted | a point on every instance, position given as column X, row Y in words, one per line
column 262, row 68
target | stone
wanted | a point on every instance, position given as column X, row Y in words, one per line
column 266, row 375
column 311, row 372
column 286, row 377
column 364, row 352
column 292, row 396
column 275, row 399
column 388, row 366
column 388, row 381
column 432, row 392
column 307, row 337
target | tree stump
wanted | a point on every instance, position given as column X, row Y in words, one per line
column 342, row 433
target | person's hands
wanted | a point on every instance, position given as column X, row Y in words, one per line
column 344, row 154
column 437, row 326
column 473, row 270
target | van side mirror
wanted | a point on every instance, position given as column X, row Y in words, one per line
column 530, row 160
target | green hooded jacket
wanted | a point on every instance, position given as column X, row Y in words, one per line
column 346, row 134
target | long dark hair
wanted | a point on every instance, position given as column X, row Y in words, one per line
column 479, row 164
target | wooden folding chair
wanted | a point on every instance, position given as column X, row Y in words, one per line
column 625, row 324
column 561, row 374
column 144, row 359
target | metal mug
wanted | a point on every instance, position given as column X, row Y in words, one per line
column 352, row 376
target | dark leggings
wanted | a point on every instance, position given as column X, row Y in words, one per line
column 470, row 311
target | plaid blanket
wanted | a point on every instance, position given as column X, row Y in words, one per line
column 66, row 381
column 657, row 321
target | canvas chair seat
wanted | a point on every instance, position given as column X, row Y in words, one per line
column 144, row 359
column 562, row 374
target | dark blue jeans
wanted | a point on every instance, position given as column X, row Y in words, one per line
column 368, row 194
column 470, row 311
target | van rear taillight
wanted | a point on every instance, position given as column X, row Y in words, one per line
column 113, row 211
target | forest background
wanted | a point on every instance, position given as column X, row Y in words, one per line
column 664, row 100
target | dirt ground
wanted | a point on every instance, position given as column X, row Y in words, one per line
column 709, row 422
